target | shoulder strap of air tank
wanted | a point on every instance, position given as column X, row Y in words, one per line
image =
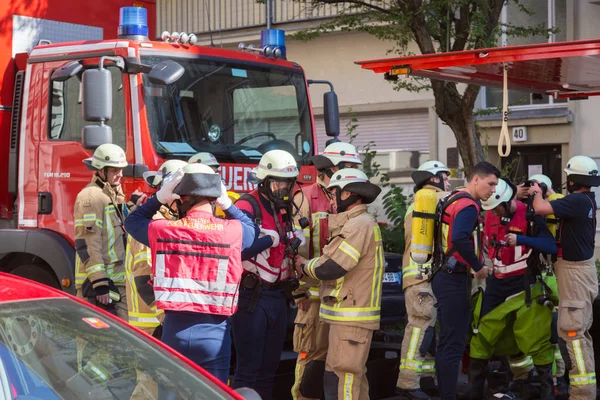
column 255, row 207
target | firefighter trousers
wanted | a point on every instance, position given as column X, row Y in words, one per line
column 311, row 339
column 513, row 329
column 345, row 367
column 119, row 308
column 578, row 287
column 417, row 359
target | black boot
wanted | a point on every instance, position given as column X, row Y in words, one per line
column 547, row 384
column 498, row 386
column 477, row 375
column 415, row 394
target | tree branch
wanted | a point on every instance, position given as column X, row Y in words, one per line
column 463, row 27
column 419, row 26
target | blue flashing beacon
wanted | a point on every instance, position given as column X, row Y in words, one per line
column 274, row 39
column 133, row 21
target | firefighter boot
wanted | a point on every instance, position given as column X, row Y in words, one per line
column 477, row 374
column 547, row 384
column 415, row 394
column 498, row 386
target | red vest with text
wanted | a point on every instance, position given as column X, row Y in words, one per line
column 196, row 263
column 320, row 208
column 269, row 265
column 510, row 261
column 448, row 220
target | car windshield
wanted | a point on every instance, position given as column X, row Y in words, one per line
column 235, row 111
column 55, row 349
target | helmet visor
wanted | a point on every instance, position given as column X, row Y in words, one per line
column 281, row 189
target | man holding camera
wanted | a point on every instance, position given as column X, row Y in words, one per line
column 576, row 271
column 311, row 336
column 508, row 320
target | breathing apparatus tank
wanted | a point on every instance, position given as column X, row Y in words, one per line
column 423, row 228
column 551, row 220
column 233, row 196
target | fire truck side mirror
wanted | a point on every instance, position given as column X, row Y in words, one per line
column 165, row 72
column 93, row 136
column 97, row 95
column 67, row 71
column 331, row 114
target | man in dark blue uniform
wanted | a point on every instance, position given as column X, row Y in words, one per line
column 456, row 246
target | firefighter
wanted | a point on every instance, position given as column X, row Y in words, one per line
column 576, row 270
column 142, row 310
column 99, row 235
column 311, row 336
column 351, row 274
column 206, row 159
column 259, row 326
column 506, row 323
column 416, row 361
column 196, row 263
column 456, row 254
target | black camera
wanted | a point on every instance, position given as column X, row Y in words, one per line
column 542, row 186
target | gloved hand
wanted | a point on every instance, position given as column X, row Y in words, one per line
column 165, row 194
column 299, row 233
column 224, row 202
column 271, row 233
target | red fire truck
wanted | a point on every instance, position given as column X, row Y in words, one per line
column 157, row 99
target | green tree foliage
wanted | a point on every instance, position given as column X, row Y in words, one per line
column 435, row 26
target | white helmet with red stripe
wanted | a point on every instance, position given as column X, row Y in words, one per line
column 355, row 181
column 336, row 154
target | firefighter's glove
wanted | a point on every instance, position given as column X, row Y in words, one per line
column 224, row 202
column 274, row 235
column 299, row 233
column 165, row 195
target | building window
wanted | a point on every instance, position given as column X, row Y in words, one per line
column 66, row 117
column 551, row 12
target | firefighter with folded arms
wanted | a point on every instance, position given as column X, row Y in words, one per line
column 351, row 274
column 142, row 310
column 196, row 262
column 417, row 364
column 576, row 270
column 311, row 336
column 509, row 321
column 99, row 236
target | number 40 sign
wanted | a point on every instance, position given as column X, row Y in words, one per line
column 519, row 134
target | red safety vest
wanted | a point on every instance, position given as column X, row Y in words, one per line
column 511, row 261
column 196, row 263
column 320, row 208
column 269, row 265
column 448, row 220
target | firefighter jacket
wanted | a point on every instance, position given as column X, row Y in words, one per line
column 355, row 245
column 99, row 235
column 410, row 269
column 455, row 204
column 507, row 261
column 313, row 203
column 196, row 263
column 141, row 302
column 270, row 265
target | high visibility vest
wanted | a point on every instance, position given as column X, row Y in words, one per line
column 448, row 221
column 270, row 264
column 508, row 261
column 196, row 263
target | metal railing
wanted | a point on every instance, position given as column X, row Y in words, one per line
column 201, row 16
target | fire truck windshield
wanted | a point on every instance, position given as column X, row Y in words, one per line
column 235, row 111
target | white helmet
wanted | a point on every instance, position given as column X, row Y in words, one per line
column 106, row 155
column 541, row 178
column 504, row 193
column 583, row 170
column 336, row 153
column 276, row 164
column 355, row 181
column 428, row 170
column 154, row 178
column 199, row 180
column 204, row 158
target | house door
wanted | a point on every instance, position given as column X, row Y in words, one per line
column 530, row 160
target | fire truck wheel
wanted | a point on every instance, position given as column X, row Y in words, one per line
column 38, row 273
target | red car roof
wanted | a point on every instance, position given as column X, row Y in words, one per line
column 13, row 288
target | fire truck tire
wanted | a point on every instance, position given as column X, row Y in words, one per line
column 38, row 273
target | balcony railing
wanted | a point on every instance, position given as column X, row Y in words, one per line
column 201, row 16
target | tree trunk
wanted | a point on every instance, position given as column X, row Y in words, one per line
column 457, row 111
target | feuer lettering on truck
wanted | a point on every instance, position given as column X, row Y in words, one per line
column 236, row 178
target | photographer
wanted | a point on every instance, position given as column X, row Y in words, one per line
column 576, row 271
column 506, row 324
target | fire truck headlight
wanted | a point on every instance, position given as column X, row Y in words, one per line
column 214, row 133
column 184, row 37
column 175, row 36
column 193, row 39
column 165, row 36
